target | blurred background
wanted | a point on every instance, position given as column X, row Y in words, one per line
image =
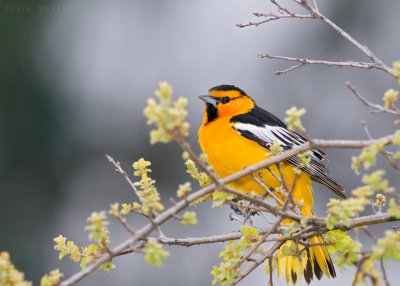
column 74, row 79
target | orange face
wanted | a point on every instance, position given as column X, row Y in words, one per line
column 221, row 103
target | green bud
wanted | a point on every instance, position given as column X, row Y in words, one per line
column 293, row 118
column 188, row 218
column 390, row 97
column 154, row 253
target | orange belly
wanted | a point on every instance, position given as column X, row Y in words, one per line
column 228, row 152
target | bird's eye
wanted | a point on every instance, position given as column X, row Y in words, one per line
column 225, row 99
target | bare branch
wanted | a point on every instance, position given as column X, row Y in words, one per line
column 314, row 13
column 269, row 253
column 303, row 61
column 170, row 212
column 375, row 108
column 385, row 277
column 272, row 17
column 378, row 62
column 258, row 244
column 119, row 169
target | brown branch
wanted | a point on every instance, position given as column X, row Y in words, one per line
column 303, row 61
column 305, row 233
column 167, row 214
column 119, row 169
column 379, row 64
column 272, row 17
column 314, row 13
column 385, row 277
column 269, row 253
column 258, row 244
column 126, row 225
column 348, row 144
column 267, row 190
column 170, row 212
column 375, row 108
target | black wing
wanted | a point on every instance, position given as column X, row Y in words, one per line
column 264, row 128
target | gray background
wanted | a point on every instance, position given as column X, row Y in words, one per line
column 74, row 79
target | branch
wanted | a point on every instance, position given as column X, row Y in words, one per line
column 375, row 108
column 283, row 13
column 272, row 17
column 173, row 210
column 118, row 169
column 314, row 13
column 160, row 219
column 269, row 253
column 379, row 64
column 303, row 61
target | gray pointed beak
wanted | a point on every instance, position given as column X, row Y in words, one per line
column 209, row 99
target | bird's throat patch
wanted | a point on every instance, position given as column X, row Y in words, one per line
column 212, row 112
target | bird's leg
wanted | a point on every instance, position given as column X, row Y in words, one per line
column 236, row 209
column 239, row 208
column 245, row 212
column 247, row 219
column 233, row 217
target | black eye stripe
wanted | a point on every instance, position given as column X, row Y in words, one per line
column 227, row 99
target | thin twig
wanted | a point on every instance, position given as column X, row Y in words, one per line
column 379, row 64
column 303, row 61
column 258, row 244
column 271, row 283
column 385, row 277
column 374, row 108
column 119, row 169
column 126, row 225
column 314, row 13
column 269, row 253
column 272, row 17
column 267, row 190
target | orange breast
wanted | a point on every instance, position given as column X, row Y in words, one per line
column 228, row 152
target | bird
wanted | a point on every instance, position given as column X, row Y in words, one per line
column 236, row 133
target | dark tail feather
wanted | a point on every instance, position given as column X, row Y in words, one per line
column 331, row 184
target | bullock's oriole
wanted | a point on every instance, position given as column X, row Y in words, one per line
column 236, row 133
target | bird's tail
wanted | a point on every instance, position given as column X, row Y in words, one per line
column 314, row 260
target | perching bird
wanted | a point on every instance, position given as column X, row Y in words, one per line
column 235, row 134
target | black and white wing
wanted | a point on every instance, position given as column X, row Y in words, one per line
column 264, row 128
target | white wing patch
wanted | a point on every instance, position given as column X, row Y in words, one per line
column 271, row 133
column 267, row 134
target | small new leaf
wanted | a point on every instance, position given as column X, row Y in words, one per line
column 184, row 190
column 154, row 253
column 9, row 275
column 98, row 228
column 367, row 158
column 220, row 198
column 51, row 279
column 275, row 148
column 67, row 248
column 387, row 247
column 188, row 218
column 389, row 98
column 394, row 209
column 340, row 211
column 346, row 249
column 168, row 116
column 396, row 138
column 201, row 177
column 148, row 193
column 293, row 119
